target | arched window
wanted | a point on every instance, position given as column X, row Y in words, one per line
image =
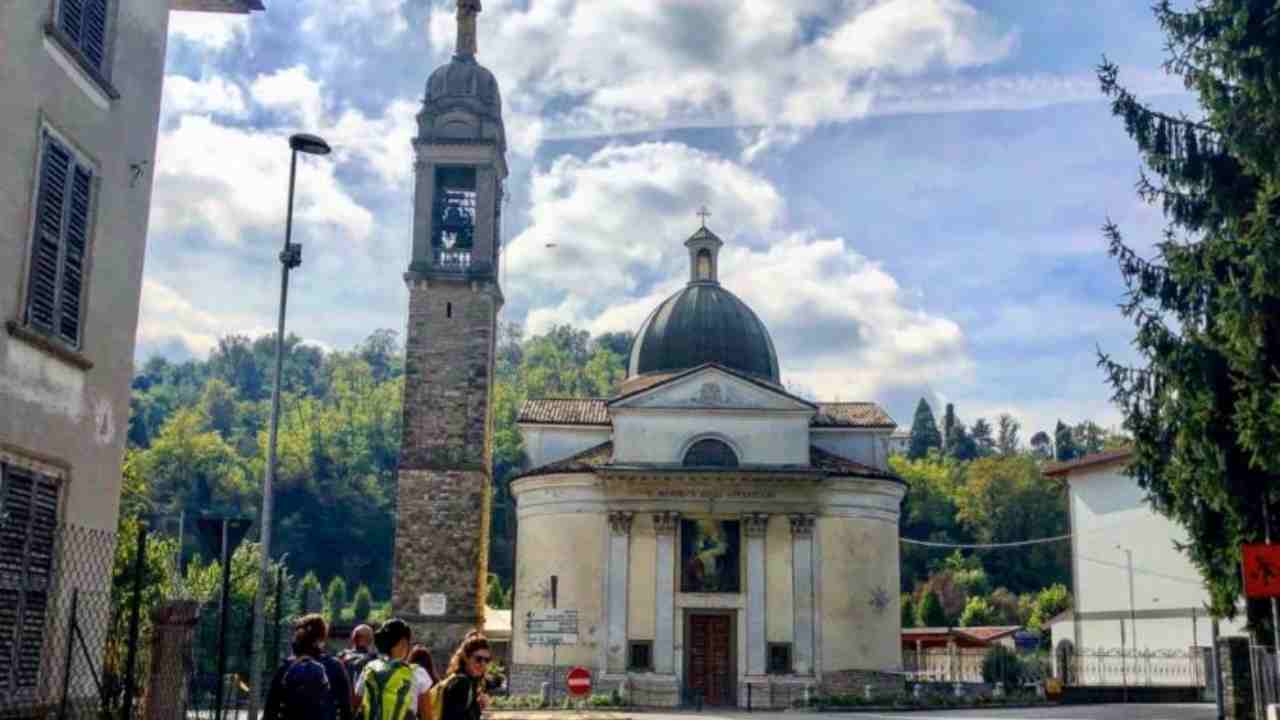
column 702, row 269
column 710, row 452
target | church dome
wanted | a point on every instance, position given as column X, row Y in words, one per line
column 464, row 81
column 703, row 323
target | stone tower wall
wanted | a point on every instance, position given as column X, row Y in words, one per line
column 443, row 502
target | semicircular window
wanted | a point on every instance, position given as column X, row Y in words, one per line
column 710, row 452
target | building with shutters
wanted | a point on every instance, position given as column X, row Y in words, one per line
column 80, row 86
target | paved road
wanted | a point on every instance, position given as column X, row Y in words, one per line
column 1072, row 712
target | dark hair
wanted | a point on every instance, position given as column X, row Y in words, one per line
column 309, row 634
column 421, row 657
column 390, row 633
column 472, row 643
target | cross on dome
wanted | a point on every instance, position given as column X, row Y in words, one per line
column 704, row 213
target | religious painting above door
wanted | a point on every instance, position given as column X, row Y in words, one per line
column 709, row 556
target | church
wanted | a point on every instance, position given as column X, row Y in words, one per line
column 716, row 535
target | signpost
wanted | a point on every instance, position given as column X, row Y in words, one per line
column 552, row 628
column 578, row 681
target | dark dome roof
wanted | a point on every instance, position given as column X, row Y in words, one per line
column 700, row 324
column 464, row 79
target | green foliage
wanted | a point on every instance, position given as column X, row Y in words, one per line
column 1042, row 445
column 1046, row 604
column 1007, row 440
column 924, row 432
column 1203, row 401
column 1064, row 443
column 309, row 597
column 1001, row 664
column 908, row 611
column 335, row 598
column 977, row 612
column 498, row 598
column 930, row 612
column 983, row 441
column 362, row 604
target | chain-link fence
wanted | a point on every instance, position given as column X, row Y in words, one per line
column 92, row 626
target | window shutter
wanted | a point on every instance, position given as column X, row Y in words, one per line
column 94, row 42
column 71, row 19
column 77, row 239
column 42, row 303
column 28, row 533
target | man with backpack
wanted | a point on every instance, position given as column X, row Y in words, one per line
column 387, row 688
column 300, row 689
column 359, row 652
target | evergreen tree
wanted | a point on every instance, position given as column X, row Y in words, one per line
column 1202, row 402
column 309, row 595
column 1089, row 437
column 948, row 426
column 930, row 613
column 908, row 611
column 1007, row 441
column 362, row 604
column 1064, row 444
column 1042, row 445
column 983, row 442
column 335, row 599
column 924, row 432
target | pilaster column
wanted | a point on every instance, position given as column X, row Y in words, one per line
column 664, row 657
column 755, row 526
column 616, row 604
column 802, row 560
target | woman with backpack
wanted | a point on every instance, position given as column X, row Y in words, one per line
column 461, row 695
column 388, row 689
column 300, row 689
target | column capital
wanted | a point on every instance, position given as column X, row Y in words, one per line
column 755, row 524
column 620, row 522
column 802, row 525
column 664, row 523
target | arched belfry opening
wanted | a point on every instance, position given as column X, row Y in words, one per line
column 710, row 452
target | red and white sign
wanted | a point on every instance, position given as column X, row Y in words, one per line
column 1261, row 570
column 579, row 681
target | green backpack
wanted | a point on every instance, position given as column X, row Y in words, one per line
column 387, row 688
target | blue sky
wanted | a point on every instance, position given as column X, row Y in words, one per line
column 910, row 190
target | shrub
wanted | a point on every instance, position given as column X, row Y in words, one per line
column 1001, row 665
column 362, row 605
column 335, row 598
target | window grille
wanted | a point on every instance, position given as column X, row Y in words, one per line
column 779, row 659
column 640, row 656
column 710, row 453
column 84, row 23
column 28, row 532
column 60, row 243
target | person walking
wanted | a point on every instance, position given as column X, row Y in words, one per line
column 388, row 689
column 358, row 653
column 300, row 688
column 424, row 666
column 462, row 694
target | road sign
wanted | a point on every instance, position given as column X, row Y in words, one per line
column 1261, row 571
column 552, row 627
column 579, row 681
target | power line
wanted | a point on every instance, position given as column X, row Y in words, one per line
column 985, row 546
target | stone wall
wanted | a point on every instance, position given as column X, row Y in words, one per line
column 442, row 513
column 854, row 682
column 1237, row 677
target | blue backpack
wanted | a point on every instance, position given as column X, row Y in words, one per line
column 301, row 692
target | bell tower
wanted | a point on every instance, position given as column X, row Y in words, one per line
column 444, row 484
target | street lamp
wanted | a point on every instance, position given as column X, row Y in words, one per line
column 290, row 257
column 1133, row 623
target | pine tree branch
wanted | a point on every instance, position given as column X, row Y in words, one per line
column 1125, row 103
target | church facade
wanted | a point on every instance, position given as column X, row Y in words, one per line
column 716, row 534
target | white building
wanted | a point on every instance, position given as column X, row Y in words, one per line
column 80, row 87
column 713, row 532
column 1133, row 589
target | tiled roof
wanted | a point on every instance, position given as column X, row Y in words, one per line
column 592, row 411
column 586, row 461
column 1103, row 458
column 839, row 466
column 990, row 632
column 852, row 414
column 565, row 411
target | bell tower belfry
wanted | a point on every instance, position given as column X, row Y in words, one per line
column 443, row 498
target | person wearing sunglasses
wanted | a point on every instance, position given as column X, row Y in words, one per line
column 462, row 694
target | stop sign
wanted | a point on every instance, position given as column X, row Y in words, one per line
column 579, row 681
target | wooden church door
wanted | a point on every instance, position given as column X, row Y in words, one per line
column 710, row 670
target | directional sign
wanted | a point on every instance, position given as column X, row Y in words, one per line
column 579, row 681
column 552, row 627
column 1261, row 571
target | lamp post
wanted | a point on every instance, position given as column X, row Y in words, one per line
column 1133, row 622
column 290, row 257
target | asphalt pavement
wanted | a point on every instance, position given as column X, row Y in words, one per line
column 1052, row 712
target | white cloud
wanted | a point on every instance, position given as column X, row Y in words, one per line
column 841, row 323
column 758, row 141
column 214, row 95
column 293, row 92
column 230, row 180
column 168, row 315
column 386, row 14
column 211, row 31
column 603, row 67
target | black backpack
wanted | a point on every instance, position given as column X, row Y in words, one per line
column 300, row 691
column 354, row 661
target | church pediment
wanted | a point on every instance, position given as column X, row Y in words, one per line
column 712, row 388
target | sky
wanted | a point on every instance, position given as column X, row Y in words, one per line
column 910, row 191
